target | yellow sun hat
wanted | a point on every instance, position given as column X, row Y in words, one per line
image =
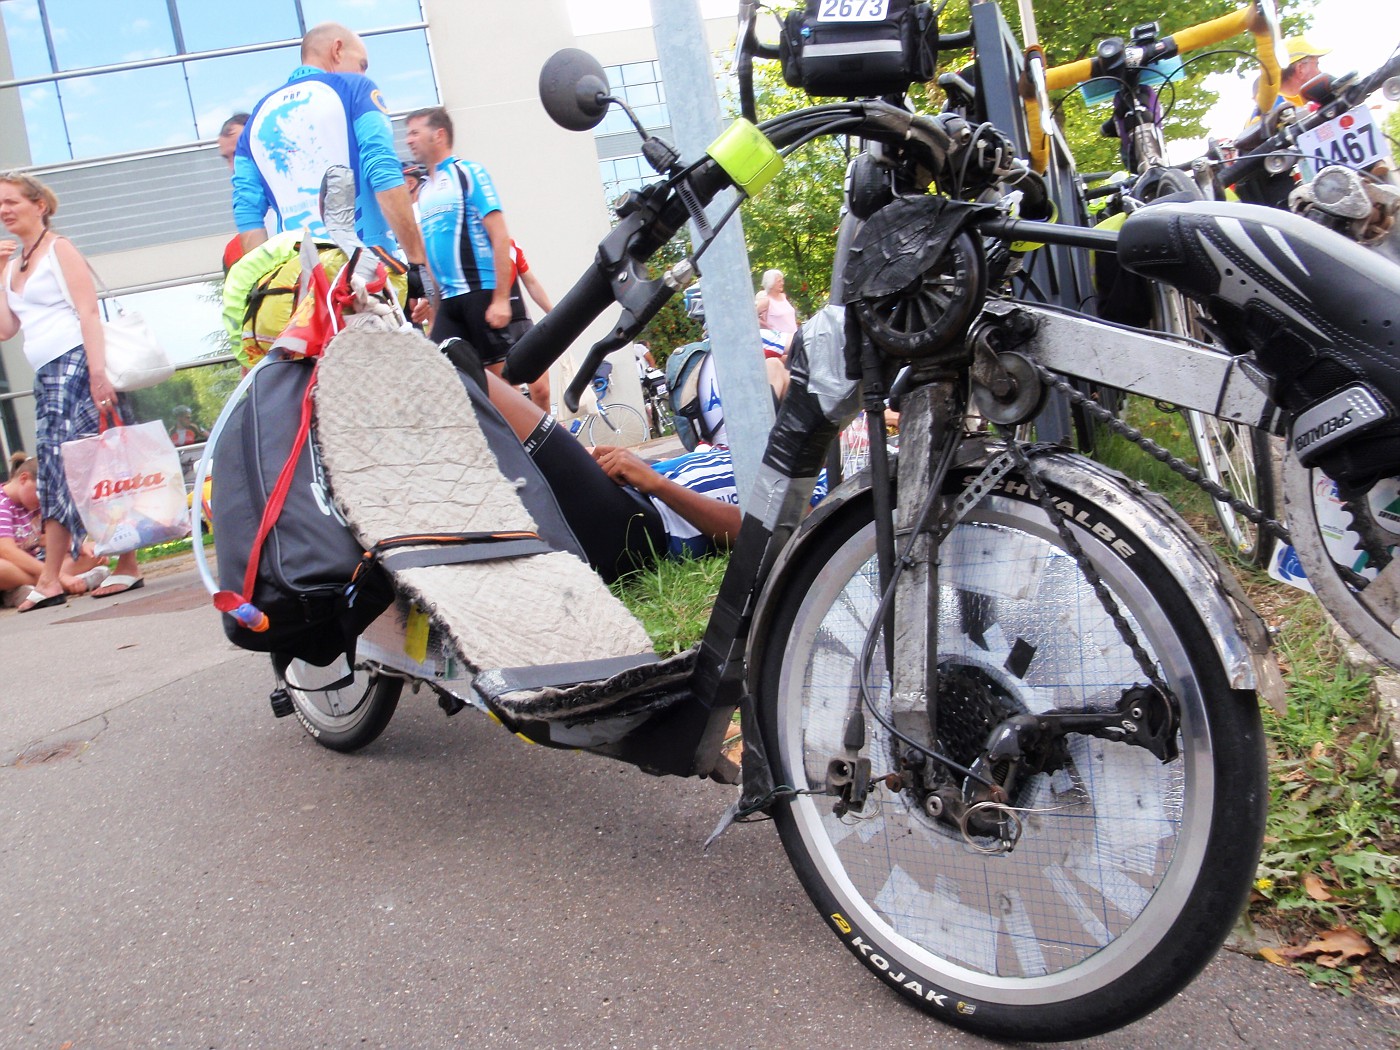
column 1300, row 47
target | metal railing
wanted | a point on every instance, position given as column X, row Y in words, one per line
column 186, row 456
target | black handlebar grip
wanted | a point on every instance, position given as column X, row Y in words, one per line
column 546, row 342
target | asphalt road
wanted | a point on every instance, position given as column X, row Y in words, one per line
column 177, row 868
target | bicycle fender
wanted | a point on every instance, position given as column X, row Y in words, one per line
column 1238, row 632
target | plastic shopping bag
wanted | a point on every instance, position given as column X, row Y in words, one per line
column 128, row 487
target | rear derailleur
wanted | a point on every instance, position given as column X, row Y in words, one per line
column 978, row 791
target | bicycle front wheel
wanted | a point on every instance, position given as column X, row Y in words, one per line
column 620, row 425
column 1128, row 873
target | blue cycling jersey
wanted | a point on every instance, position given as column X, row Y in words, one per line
column 315, row 120
column 451, row 206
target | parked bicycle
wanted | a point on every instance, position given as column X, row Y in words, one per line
column 609, row 422
column 656, row 396
column 1003, row 704
column 1133, row 75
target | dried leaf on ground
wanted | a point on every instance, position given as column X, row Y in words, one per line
column 1314, row 888
column 1334, row 948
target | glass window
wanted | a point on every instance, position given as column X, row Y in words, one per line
column 639, row 73
column 221, row 87
column 186, row 320
column 643, row 95
column 653, row 116
column 120, row 112
column 208, row 27
column 24, row 31
column 400, row 65
column 43, row 123
column 99, row 32
column 362, row 14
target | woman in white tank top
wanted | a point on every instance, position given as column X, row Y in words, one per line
column 49, row 294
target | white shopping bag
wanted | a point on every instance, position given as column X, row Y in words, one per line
column 128, row 487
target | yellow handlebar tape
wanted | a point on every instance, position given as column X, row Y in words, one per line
column 746, row 156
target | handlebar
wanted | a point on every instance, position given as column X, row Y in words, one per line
column 537, row 349
column 1260, row 149
column 1191, row 38
column 618, row 273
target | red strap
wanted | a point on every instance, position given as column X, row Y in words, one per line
column 273, row 510
column 105, row 412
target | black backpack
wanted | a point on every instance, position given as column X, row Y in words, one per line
column 309, row 554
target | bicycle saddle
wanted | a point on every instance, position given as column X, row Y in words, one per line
column 1320, row 313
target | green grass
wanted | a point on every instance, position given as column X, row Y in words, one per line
column 168, row 550
column 673, row 601
column 1331, row 856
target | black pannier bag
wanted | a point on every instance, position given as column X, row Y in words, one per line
column 828, row 53
column 309, row 554
column 306, row 583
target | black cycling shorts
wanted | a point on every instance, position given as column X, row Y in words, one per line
column 464, row 317
column 619, row 529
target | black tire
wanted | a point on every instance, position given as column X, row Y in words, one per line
column 347, row 718
column 1172, row 849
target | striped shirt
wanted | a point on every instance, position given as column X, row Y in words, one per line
column 19, row 524
column 454, row 200
column 710, row 472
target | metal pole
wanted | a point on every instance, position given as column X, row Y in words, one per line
column 692, row 99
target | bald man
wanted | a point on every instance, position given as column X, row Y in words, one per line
column 327, row 113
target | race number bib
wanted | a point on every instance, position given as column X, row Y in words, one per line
column 1351, row 139
column 852, row 10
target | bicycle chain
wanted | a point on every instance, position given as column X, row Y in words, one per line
column 1086, row 567
column 1274, row 528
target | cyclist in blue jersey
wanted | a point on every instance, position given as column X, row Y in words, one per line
column 466, row 240
column 328, row 113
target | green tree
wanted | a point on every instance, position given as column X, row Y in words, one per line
column 791, row 225
column 1070, row 31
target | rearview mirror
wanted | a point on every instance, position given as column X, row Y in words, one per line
column 574, row 89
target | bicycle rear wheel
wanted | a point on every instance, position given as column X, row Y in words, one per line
column 661, row 414
column 347, row 717
column 1236, row 457
column 1129, row 872
column 620, row 425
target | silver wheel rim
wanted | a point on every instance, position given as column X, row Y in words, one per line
column 332, row 710
column 1019, row 967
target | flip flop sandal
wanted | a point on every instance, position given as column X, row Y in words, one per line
column 92, row 579
column 126, row 583
column 42, row 601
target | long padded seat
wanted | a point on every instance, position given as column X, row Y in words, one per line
column 1243, row 255
column 1320, row 313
